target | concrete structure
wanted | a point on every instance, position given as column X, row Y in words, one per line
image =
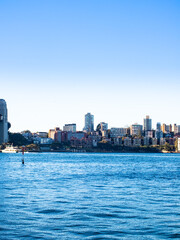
column 69, row 127
column 89, row 123
column 147, row 124
column 136, row 129
column 3, row 122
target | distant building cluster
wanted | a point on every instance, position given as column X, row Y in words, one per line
column 136, row 135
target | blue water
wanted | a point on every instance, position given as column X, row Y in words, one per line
column 90, row 196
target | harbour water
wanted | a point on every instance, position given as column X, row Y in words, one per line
column 89, row 196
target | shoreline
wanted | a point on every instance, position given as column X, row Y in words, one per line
column 84, row 151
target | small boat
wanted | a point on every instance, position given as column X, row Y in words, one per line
column 11, row 149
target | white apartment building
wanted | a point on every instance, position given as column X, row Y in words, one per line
column 178, row 144
column 69, row 127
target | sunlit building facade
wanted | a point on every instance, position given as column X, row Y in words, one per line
column 3, row 122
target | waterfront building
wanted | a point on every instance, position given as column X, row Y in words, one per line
column 64, row 136
column 136, row 129
column 102, row 129
column 154, row 141
column 3, row 122
column 117, row 141
column 89, row 123
column 176, row 129
column 27, row 134
column 178, row 145
column 127, row 142
column 162, row 141
column 146, row 141
column 158, row 133
column 147, row 124
column 57, row 135
column 171, row 141
column 136, row 142
column 51, row 134
column 78, row 135
column 158, row 136
column 45, row 141
column 42, row 134
column 69, row 127
column 94, row 143
column 118, row 132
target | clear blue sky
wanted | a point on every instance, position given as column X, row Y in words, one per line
column 119, row 60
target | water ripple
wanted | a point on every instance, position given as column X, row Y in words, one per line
column 90, row 196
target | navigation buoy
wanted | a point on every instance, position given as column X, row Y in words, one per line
column 23, row 148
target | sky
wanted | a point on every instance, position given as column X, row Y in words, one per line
column 119, row 60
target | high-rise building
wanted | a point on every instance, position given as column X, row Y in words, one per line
column 55, row 134
column 3, row 122
column 51, row 134
column 159, row 133
column 89, row 123
column 158, row 126
column 102, row 126
column 147, row 124
column 136, row 129
column 69, row 127
column 167, row 128
column 176, row 129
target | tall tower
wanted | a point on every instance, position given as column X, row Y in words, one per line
column 147, row 124
column 89, row 123
column 3, row 122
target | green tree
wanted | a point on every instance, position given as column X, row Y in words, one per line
column 17, row 139
column 167, row 147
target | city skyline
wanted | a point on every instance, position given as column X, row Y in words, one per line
column 118, row 60
column 163, row 138
column 89, row 125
